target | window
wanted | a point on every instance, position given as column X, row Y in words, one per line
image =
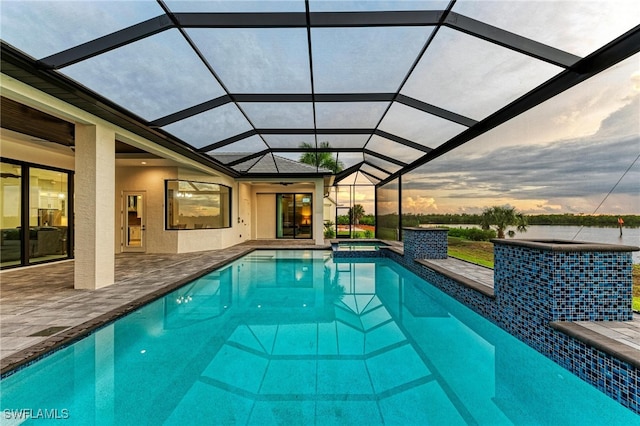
column 197, row 205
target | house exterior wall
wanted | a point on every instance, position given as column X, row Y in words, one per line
column 265, row 223
column 263, row 198
column 151, row 180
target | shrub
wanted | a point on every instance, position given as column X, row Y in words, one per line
column 473, row 234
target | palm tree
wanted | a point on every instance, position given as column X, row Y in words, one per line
column 356, row 213
column 320, row 159
column 502, row 217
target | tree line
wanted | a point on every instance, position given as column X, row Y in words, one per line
column 568, row 219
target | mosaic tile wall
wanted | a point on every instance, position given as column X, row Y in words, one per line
column 524, row 306
column 563, row 286
column 354, row 254
column 425, row 243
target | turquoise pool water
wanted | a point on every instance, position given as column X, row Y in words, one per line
column 360, row 245
column 294, row 337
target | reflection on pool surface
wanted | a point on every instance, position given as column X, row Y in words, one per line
column 296, row 337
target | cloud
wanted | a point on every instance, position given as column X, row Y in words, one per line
column 419, row 204
column 565, row 175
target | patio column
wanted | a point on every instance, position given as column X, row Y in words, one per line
column 94, row 207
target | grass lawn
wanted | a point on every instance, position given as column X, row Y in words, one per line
column 481, row 253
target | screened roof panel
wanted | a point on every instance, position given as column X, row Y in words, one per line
column 364, row 179
column 283, row 115
column 349, row 114
column 418, row 126
column 244, row 146
column 577, row 26
column 41, row 28
column 372, row 171
column 211, row 126
column 236, row 6
column 393, row 149
column 361, row 60
column 153, row 77
column 375, row 5
column 228, row 79
column 344, row 141
column 473, row 77
column 343, row 195
column 379, row 162
column 257, row 60
column 349, row 159
column 289, row 141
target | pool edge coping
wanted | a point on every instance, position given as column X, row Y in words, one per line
column 598, row 341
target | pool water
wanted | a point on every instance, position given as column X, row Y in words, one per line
column 296, row 337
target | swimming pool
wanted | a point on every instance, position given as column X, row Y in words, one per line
column 297, row 337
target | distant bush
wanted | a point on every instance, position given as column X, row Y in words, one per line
column 473, row 234
column 368, row 233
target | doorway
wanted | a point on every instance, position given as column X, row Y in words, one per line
column 134, row 221
column 294, row 215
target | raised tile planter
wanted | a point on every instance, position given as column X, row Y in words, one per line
column 425, row 243
column 558, row 280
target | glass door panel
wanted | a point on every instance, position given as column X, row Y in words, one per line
column 11, row 208
column 303, row 216
column 48, row 214
column 134, row 222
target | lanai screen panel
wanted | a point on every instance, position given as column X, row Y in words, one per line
column 577, row 26
column 388, row 85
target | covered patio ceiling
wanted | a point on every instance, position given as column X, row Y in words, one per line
column 385, row 86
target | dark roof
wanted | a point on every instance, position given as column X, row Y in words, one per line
column 268, row 164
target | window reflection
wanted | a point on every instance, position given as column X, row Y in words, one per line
column 388, row 210
column 197, row 205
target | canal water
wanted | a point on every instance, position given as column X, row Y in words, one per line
column 630, row 236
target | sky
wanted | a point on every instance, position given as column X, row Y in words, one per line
column 563, row 156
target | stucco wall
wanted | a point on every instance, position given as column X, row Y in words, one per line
column 265, row 226
column 151, row 181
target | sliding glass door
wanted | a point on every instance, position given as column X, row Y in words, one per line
column 294, row 215
column 35, row 221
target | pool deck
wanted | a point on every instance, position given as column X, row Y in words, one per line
column 40, row 310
